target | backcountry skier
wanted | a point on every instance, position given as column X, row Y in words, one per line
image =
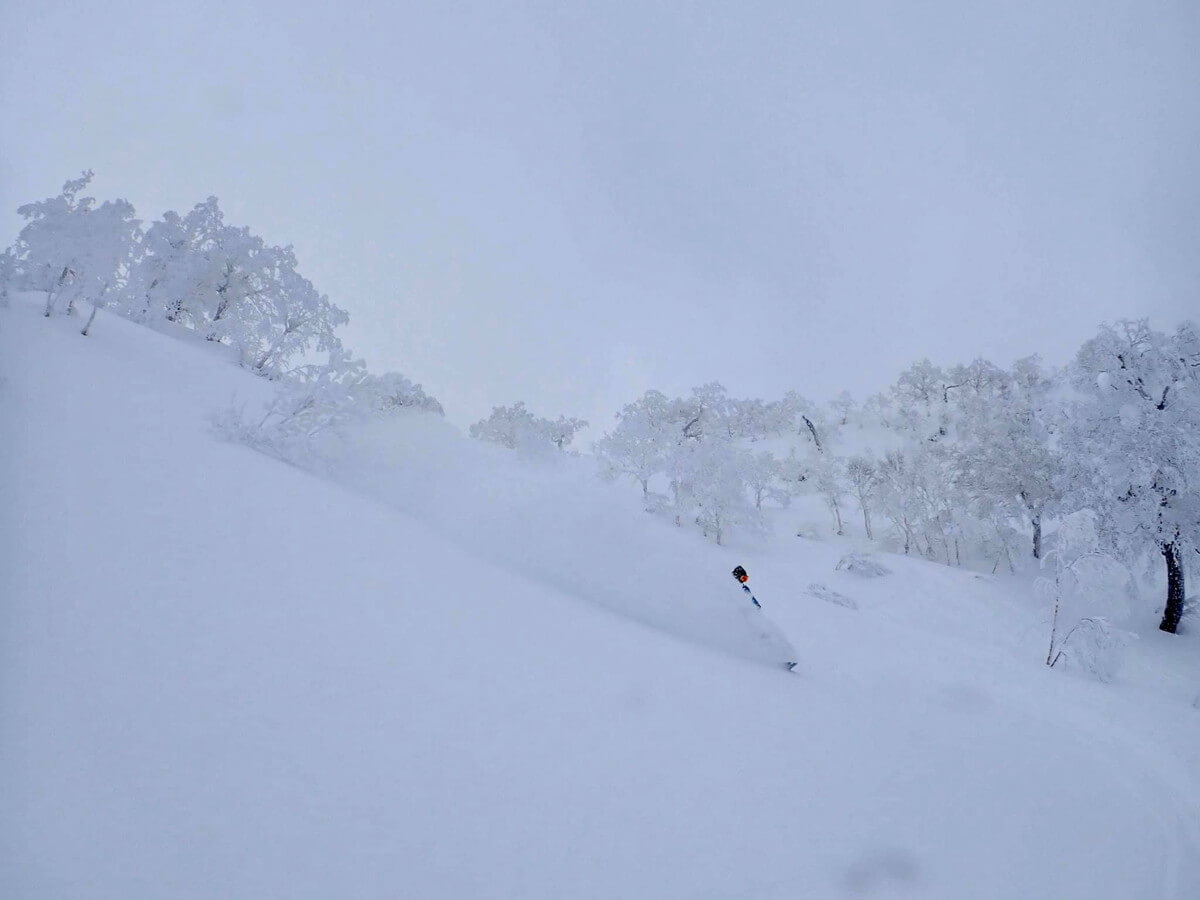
column 741, row 577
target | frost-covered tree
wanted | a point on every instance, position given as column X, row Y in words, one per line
column 693, row 443
column 745, row 419
column 107, row 260
column 805, row 417
column 1081, row 569
column 198, row 271
column 561, row 431
column 899, row 496
column 229, row 284
column 288, row 318
column 392, row 392
column 73, row 250
column 879, row 409
column 827, row 479
column 318, row 405
column 711, row 484
column 862, row 478
column 639, row 444
column 794, row 471
column 46, row 247
column 237, row 266
column 921, row 398
column 307, row 415
column 1131, row 445
column 226, row 282
column 171, row 279
column 763, row 474
column 705, row 413
column 1005, row 458
column 696, row 423
column 842, row 406
column 516, row 428
column 916, row 493
column 921, row 384
column 509, row 426
column 980, row 381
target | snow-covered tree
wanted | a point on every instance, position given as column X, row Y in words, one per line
column 805, row 417
column 1005, row 459
column 315, row 409
column 980, row 381
column 108, row 262
column 794, row 471
column 1131, row 445
column 879, row 409
column 639, row 444
column 509, row 426
column 561, row 431
column 226, row 282
column 1081, row 569
column 171, row 278
column 916, row 493
column 45, row 250
column 307, row 416
column 392, row 392
column 862, row 478
column 921, row 384
column 695, row 423
column 287, row 318
column 516, row 428
column 705, row 413
column 711, row 484
column 827, row 479
column 693, row 443
column 744, row 419
column 842, row 406
column 73, row 250
column 898, row 492
column 921, row 398
column 763, row 474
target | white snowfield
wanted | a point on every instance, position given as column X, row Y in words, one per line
column 224, row 677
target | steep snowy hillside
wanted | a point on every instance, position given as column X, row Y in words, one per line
column 221, row 676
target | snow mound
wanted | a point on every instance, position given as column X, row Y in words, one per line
column 862, row 564
column 821, row 592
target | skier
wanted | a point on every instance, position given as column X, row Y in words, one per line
column 741, row 577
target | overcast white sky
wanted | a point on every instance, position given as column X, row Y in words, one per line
column 569, row 203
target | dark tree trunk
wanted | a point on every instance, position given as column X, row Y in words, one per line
column 816, row 439
column 91, row 319
column 1037, row 537
column 837, row 516
column 1174, row 609
column 52, row 294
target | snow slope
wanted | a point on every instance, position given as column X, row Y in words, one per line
column 221, row 676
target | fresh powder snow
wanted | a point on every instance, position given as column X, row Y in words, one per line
column 440, row 670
